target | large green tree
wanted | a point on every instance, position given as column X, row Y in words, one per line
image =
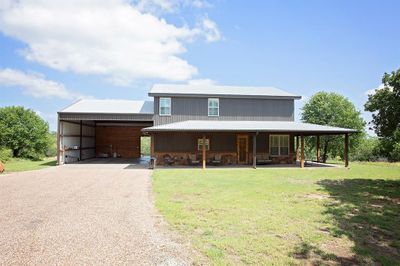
column 385, row 107
column 24, row 132
column 332, row 109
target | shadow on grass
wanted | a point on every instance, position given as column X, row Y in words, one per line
column 315, row 256
column 367, row 211
column 49, row 163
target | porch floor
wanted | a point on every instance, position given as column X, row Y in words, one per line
column 138, row 163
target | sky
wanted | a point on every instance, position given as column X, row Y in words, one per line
column 53, row 53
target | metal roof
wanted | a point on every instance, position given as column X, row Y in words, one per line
column 247, row 126
column 217, row 90
column 110, row 107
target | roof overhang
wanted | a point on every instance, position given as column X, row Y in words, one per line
column 199, row 95
column 105, row 116
column 249, row 126
column 222, row 91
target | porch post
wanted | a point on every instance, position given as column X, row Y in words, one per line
column 297, row 148
column 302, row 152
column 204, row 151
column 152, row 145
column 58, row 140
column 80, row 142
column 318, row 148
column 346, row 149
column 255, row 150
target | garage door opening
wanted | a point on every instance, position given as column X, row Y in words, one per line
column 84, row 140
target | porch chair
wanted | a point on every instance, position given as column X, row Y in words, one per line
column 168, row 160
column 217, row 159
column 193, row 160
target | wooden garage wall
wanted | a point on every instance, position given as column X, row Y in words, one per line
column 123, row 140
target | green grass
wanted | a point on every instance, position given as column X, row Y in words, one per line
column 145, row 145
column 286, row 216
column 18, row 165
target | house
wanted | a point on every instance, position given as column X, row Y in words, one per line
column 192, row 124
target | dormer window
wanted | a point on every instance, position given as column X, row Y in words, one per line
column 213, row 107
column 165, row 106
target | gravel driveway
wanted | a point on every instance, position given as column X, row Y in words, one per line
column 84, row 214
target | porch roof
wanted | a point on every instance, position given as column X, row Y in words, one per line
column 248, row 126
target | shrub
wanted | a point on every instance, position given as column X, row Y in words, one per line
column 366, row 151
column 5, row 154
column 52, row 146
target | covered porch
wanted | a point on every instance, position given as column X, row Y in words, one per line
column 237, row 143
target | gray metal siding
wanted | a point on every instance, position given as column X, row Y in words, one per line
column 262, row 143
column 219, row 142
column 187, row 142
column 186, row 108
column 175, row 142
column 106, row 117
column 223, row 142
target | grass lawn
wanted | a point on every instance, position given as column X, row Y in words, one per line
column 17, row 165
column 286, row 216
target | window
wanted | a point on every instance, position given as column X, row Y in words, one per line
column 213, row 107
column 165, row 106
column 279, row 145
column 200, row 144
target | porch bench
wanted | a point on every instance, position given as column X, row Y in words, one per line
column 263, row 159
column 168, row 160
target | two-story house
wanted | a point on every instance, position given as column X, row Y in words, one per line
column 192, row 124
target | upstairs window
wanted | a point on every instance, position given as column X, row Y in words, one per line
column 213, row 107
column 165, row 106
column 279, row 145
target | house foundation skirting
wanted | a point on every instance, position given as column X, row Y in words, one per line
column 227, row 158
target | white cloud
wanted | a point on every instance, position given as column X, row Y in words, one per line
column 170, row 6
column 374, row 90
column 35, row 84
column 210, row 30
column 110, row 38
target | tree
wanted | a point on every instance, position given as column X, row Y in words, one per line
column 367, row 150
column 385, row 108
column 335, row 110
column 24, row 132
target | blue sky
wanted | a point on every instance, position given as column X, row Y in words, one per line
column 52, row 54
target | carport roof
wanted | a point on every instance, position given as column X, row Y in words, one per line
column 248, row 126
column 110, row 107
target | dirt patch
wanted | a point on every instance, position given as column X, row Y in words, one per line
column 316, row 196
column 330, row 253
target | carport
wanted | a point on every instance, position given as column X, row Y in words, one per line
column 102, row 129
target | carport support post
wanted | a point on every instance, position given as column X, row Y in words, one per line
column 297, row 148
column 302, row 152
column 80, row 142
column 346, row 150
column 204, row 151
column 58, row 141
column 255, row 150
column 318, row 148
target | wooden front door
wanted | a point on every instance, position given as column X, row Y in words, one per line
column 242, row 149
